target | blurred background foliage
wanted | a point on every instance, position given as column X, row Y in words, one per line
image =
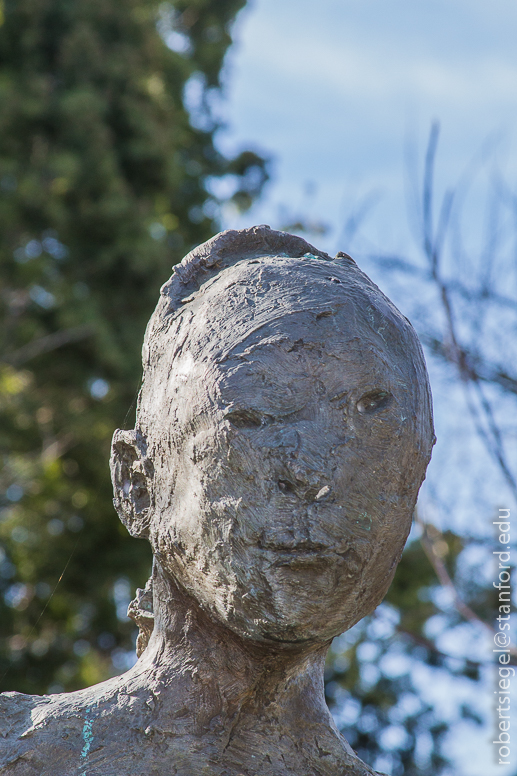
column 108, row 168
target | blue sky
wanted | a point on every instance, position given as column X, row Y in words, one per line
column 333, row 90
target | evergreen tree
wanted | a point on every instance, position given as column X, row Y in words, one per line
column 106, row 167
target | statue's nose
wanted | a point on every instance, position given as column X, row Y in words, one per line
column 303, row 454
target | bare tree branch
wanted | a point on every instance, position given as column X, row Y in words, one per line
column 427, row 194
column 453, row 351
column 422, row 641
column 48, row 343
column 430, row 547
column 478, row 369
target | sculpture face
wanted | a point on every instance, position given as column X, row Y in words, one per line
column 289, row 429
column 282, row 494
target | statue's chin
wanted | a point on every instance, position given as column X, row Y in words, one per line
column 284, row 595
column 298, row 602
column 288, row 631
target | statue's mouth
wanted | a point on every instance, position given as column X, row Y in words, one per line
column 316, row 555
column 300, row 555
column 305, row 546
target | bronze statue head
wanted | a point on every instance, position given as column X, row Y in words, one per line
column 283, row 431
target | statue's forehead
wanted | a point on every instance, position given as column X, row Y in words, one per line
column 290, row 350
column 255, row 315
column 232, row 316
column 273, row 282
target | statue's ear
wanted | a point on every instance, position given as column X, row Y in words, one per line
column 132, row 474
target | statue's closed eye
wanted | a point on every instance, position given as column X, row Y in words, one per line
column 244, row 418
column 373, row 401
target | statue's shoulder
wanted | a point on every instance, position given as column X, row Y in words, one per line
column 17, row 713
column 108, row 730
column 102, row 730
column 44, row 735
column 16, row 710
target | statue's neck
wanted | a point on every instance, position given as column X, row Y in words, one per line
column 201, row 666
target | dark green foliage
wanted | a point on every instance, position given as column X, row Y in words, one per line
column 104, row 178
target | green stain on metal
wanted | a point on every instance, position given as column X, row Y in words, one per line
column 364, row 521
column 87, row 737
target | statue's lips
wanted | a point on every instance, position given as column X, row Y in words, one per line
column 318, row 557
column 303, row 554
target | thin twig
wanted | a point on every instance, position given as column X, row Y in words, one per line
column 479, row 370
column 429, row 546
column 48, row 343
column 491, row 437
column 427, row 195
column 422, row 641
